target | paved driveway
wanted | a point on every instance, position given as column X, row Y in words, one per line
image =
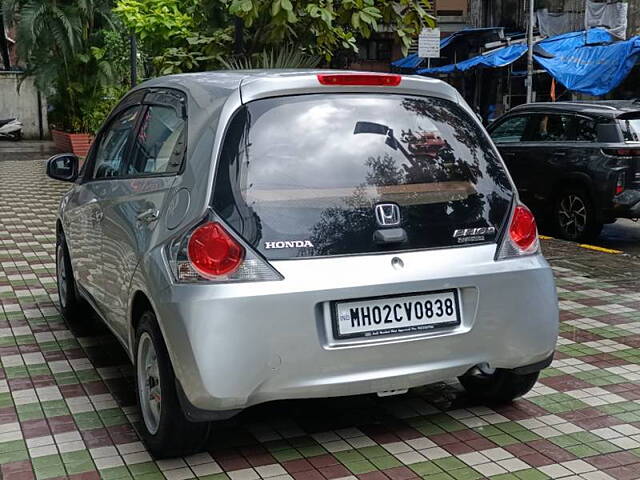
column 67, row 405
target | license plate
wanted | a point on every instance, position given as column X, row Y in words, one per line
column 391, row 315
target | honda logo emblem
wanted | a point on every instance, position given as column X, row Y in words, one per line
column 387, row 214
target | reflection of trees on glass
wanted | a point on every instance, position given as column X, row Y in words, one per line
column 340, row 227
column 322, row 184
column 465, row 132
column 384, row 171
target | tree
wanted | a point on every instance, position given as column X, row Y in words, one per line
column 325, row 26
column 57, row 41
column 186, row 35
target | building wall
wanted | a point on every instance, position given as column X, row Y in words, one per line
column 513, row 13
column 22, row 104
column 452, row 15
column 451, row 7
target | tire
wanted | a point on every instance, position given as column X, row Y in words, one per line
column 574, row 216
column 70, row 302
column 16, row 136
column 163, row 426
column 502, row 386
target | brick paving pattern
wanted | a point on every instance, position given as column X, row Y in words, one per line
column 67, row 404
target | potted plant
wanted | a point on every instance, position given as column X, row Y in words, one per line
column 70, row 49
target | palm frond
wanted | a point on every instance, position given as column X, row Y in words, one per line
column 285, row 57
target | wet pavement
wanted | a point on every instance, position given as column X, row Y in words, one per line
column 25, row 149
column 67, row 404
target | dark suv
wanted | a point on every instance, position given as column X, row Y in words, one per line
column 576, row 163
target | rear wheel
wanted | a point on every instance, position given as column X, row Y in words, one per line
column 574, row 216
column 501, row 386
column 70, row 303
column 164, row 427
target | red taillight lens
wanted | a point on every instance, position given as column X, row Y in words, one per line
column 523, row 230
column 374, row 79
column 213, row 252
column 622, row 152
column 620, row 183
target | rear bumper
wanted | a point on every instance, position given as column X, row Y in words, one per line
column 233, row 346
column 627, row 204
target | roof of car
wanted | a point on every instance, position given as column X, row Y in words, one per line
column 603, row 108
column 274, row 79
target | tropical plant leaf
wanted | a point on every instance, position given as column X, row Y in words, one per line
column 285, row 57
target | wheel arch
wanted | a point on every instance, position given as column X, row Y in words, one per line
column 140, row 301
column 573, row 180
column 139, row 304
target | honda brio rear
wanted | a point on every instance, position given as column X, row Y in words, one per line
column 334, row 233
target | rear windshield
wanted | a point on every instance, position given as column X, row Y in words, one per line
column 630, row 129
column 332, row 174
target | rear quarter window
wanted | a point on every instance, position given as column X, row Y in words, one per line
column 303, row 176
column 630, row 126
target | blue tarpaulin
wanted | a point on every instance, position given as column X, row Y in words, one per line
column 591, row 69
column 497, row 58
column 410, row 61
column 414, row 61
column 590, row 62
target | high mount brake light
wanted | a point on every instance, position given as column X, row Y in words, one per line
column 369, row 79
column 522, row 236
column 213, row 252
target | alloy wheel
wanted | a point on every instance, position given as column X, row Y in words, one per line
column 149, row 389
column 572, row 215
column 61, row 270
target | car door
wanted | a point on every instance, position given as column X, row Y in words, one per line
column 550, row 143
column 134, row 204
column 509, row 135
column 84, row 214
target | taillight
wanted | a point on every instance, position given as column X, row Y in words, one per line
column 368, row 79
column 620, row 183
column 622, row 152
column 213, row 252
column 522, row 236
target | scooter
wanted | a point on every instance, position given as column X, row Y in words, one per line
column 11, row 128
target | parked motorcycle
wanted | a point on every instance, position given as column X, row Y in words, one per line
column 11, row 128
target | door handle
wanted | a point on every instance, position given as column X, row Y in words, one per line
column 560, row 154
column 148, row 216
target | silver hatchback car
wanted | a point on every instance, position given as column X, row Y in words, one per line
column 263, row 235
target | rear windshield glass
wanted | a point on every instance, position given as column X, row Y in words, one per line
column 630, row 129
column 332, row 174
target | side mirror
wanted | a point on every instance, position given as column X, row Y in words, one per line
column 63, row 167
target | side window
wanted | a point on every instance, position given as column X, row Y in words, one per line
column 586, row 130
column 551, row 128
column 159, row 145
column 111, row 149
column 511, row 130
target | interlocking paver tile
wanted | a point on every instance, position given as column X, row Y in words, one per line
column 67, row 402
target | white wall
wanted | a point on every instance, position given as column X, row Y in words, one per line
column 22, row 104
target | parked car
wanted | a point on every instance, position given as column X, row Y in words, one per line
column 267, row 235
column 577, row 163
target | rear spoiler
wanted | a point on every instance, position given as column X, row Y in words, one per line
column 629, row 115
